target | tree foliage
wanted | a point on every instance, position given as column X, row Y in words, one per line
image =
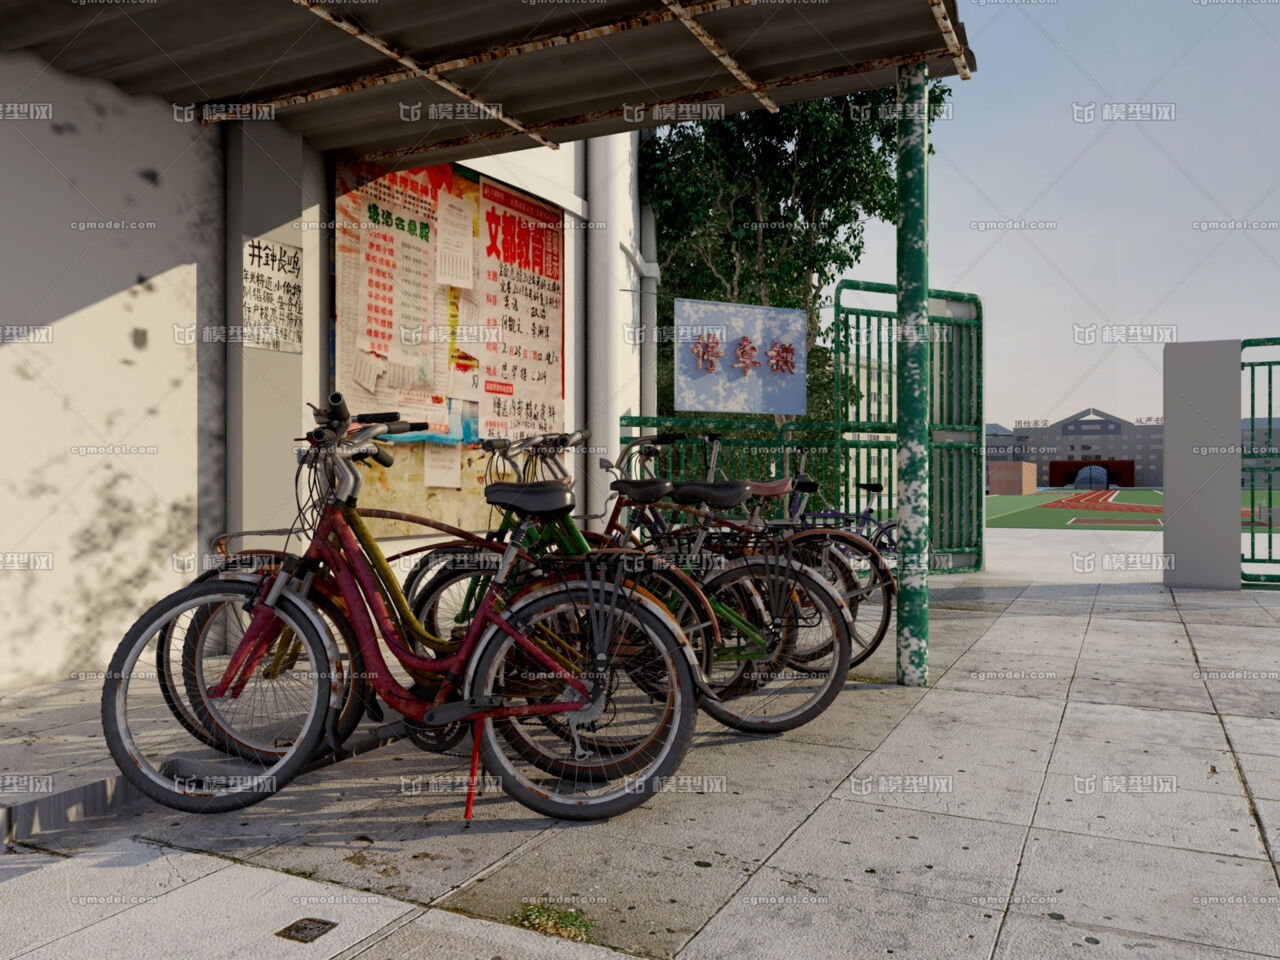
column 770, row 209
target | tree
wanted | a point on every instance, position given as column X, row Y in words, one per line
column 769, row 208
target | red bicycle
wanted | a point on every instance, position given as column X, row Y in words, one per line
column 580, row 685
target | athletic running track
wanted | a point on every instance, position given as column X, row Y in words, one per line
column 1100, row 500
column 1105, row 500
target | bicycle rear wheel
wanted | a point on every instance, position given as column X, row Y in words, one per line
column 849, row 565
column 279, row 709
column 772, row 612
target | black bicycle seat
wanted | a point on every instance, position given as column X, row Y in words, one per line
column 642, row 491
column 543, row 499
column 728, row 493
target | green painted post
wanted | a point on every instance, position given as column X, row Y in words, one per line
column 913, row 375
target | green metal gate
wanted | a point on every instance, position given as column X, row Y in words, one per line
column 1259, row 463
column 861, row 447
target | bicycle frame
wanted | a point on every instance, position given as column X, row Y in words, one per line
column 343, row 544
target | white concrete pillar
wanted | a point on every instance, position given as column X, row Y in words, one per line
column 613, row 374
column 1202, row 464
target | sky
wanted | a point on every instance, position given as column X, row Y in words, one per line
column 1148, row 230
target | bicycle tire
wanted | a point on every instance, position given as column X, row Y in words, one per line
column 641, row 775
column 153, row 766
column 804, row 586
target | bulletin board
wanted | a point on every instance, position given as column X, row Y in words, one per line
column 449, row 302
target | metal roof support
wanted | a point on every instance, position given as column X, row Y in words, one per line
column 720, row 53
column 708, row 96
column 386, row 77
column 954, row 46
column 344, row 24
column 913, row 375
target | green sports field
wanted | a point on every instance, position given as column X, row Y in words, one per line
column 1025, row 512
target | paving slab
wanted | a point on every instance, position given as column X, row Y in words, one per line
column 1191, row 767
column 859, row 718
column 1024, row 936
column 73, row 894
column 777, row 914
column 1011, row 674
column 964, row 789
column 988, row 710
column 1249, row 697
column 1027, row 634
column 1108, row 721
column 1189, row 695
column 444, row 935
column 918, row 744
column 1262, row 774
column 1127, row 639
column 233, row 911
column 1254, row 734
column 1204, row 898
column 1149, row 808
column 642, row 898
column 892, row 849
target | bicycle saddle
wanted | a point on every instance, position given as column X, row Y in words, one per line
column 730, row 493
column 771, row 488
column 870, row 487
column 543, row 499
column 642, row 491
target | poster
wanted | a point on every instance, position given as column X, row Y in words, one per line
column 449, row 301
column 442, row 464
column 271, row 296
column 739, row 358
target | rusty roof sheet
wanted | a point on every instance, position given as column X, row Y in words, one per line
column 566, row 70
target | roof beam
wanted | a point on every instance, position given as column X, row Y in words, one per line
column 954, row 47
column 720, row 53
column 355, row 30
column 383, row 78
column 867, row 66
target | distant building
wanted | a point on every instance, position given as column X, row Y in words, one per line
column 1090, row 435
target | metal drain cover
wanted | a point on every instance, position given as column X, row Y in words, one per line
column 306, row 929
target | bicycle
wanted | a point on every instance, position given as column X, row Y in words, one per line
column 580, row 686
column 769, row 605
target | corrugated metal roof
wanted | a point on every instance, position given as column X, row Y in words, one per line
column 235, row 51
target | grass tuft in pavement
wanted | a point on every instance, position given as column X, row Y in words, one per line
column 543, row 918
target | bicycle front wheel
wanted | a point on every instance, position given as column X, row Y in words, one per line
column 274, row 713
column 632, row 731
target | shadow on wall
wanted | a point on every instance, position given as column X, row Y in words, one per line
column 115, row 214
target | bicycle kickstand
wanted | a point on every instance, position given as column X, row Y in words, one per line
column 475, row 764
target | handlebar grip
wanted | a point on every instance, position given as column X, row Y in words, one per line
column 338, row 407
column 398, row 426
column 664, row 438
column 389, row 417
column 495, row 444
column 412, row 426
column 384, row 457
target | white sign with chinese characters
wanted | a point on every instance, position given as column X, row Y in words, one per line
column 739, row 358
column 271, row 296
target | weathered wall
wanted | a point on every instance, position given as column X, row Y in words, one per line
column 106, row 354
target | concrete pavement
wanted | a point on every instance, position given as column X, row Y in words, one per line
column 1093, row 771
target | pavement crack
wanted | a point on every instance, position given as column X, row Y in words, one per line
column 1231, row 747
